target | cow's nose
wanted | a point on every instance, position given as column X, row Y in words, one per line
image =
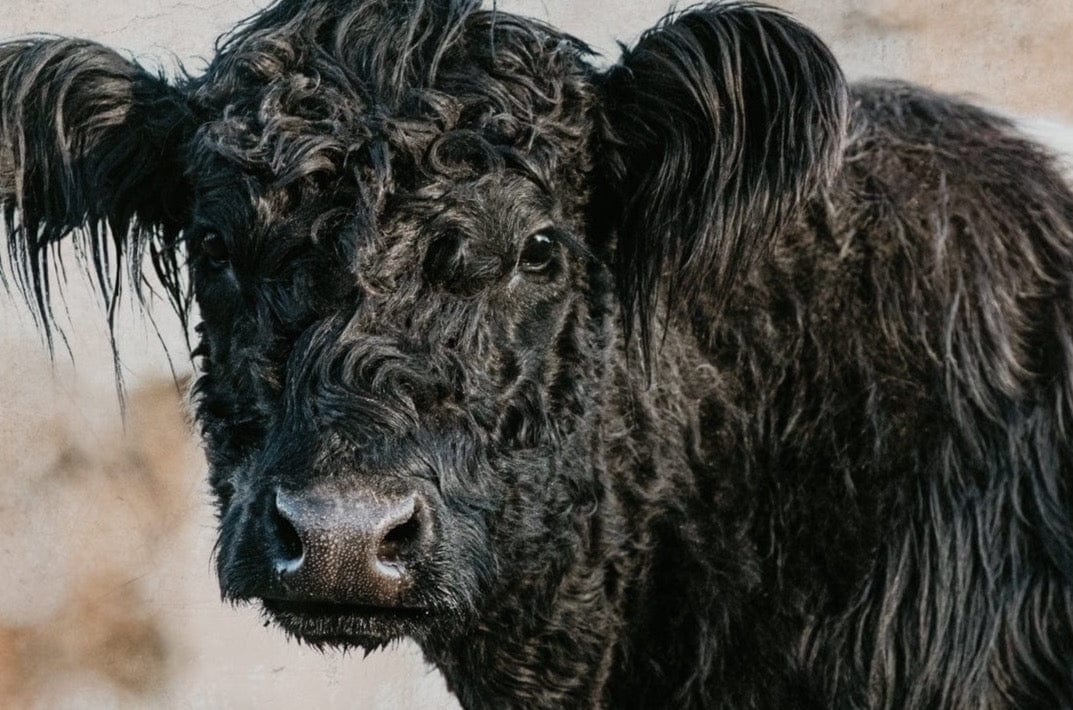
column 348, row 546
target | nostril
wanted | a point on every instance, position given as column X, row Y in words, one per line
column 400, row 541
column 290, row 543
column 289, row 546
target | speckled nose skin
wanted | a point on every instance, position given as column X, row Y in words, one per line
column 349, row 547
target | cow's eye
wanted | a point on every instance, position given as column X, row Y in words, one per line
column 215, row 249
column 538, row 253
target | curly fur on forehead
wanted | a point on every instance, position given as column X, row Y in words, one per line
column 392, row 94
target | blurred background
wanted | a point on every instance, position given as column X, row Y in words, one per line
column 107, row 596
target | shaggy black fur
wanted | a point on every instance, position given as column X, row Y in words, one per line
column 733, row 387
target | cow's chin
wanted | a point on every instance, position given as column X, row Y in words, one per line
column 334, row 625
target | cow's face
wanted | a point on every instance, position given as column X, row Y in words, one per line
column 406, row 225
column 399, row 341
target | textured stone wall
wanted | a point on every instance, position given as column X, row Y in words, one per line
column 1011, row 53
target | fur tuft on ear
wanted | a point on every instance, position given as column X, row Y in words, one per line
column 89, row 146
column 714, row 128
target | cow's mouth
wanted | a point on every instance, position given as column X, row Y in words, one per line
column 342, row 624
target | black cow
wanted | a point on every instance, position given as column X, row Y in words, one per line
column 704, row 380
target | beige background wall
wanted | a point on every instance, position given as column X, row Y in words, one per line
column 107, row 596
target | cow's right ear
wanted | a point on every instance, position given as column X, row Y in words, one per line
column 91, row 145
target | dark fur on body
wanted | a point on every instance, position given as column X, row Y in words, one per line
column 782, row 421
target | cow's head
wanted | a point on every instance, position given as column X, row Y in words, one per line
column 412, row 230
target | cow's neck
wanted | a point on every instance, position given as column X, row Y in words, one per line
column 631, row 619
column 549, row 645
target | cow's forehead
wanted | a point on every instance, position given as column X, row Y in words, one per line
column 460, row 171
column 290, row 103
column 380, row 170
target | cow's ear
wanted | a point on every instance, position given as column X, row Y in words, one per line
column 90, row 146
column 714, row 128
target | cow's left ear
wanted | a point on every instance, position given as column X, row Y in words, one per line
column 713, row 129
column 91, row 145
